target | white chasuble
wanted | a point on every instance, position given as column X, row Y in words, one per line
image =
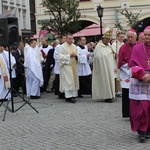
column 103, row 85
column 68, row 68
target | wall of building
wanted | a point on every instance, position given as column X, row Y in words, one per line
column 89, row 13
column 1, row 7
column 23, row 11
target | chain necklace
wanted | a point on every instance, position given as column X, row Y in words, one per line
column 148, row 59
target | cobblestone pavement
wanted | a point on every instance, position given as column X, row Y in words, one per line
column 86, row 125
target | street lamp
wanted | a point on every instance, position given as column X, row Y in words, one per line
column 100, row 15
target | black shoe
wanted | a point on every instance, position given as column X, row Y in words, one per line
column 34, row 97
column 148, row 135
column 15, row 94
column 142, row 138
column 73, row 100
column 109, row 100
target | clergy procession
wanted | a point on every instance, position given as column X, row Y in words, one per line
column 103, row 70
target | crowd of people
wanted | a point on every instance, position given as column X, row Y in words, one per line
column 103, row 70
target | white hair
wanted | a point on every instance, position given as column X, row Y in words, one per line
column 134, row 33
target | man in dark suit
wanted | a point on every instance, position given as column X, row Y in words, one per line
column 20, row 77
column 50, row 62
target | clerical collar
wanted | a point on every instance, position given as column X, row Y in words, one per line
column 44, row 46
column 81, row 46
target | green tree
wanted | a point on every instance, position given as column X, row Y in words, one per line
column 131, row 19
column 64, row 15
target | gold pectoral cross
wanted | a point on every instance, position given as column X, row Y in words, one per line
column 148, row 62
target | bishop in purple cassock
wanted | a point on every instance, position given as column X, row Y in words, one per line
column 139, row 90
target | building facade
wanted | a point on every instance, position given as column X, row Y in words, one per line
column 110, row 17
column 23, row 9
column 32, row 16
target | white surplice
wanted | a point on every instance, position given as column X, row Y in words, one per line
column 46, row 49
column 37, row 50
column 84, row 67
column 56, row 66
column 34, row 75
column 125, row 76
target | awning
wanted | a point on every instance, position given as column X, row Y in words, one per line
column 91, row 30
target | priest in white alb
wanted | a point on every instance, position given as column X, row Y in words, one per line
column 34, row 76
column 68, row 57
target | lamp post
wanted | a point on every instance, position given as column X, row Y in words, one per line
column 100, row 15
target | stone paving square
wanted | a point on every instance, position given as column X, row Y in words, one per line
column 86, row 125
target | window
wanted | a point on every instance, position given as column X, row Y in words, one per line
column 24, row 19
column 5, row 9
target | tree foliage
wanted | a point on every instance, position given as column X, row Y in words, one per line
column 64, row 15
column 131, row 19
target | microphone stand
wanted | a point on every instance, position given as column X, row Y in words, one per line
column 11, row 90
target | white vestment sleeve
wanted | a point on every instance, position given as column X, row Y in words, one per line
column 55, row 55
column 82, row 58
column 64, row 59
column 13, row 61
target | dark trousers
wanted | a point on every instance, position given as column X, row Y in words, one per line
column 125, row 103
column 18, row 82
column 85, row 85
column 56, row 86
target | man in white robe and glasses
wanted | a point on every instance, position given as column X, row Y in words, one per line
column 34, row 76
